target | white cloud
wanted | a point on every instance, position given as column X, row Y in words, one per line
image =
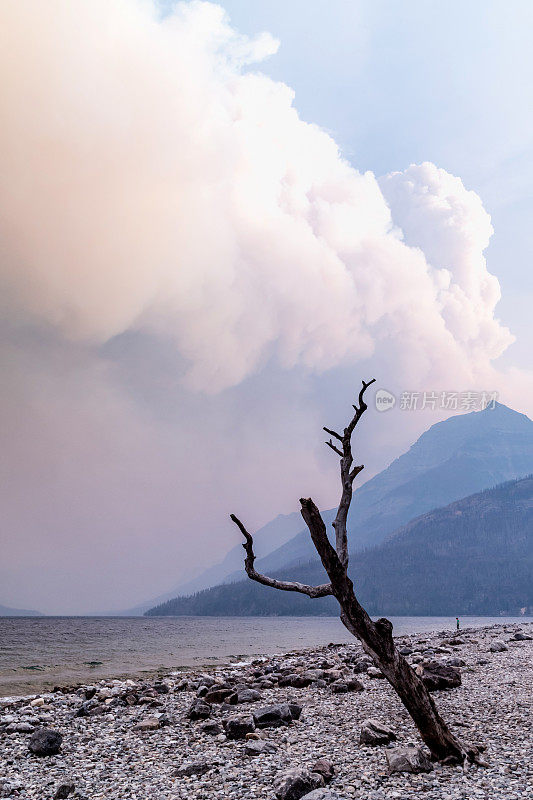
column 151, row 183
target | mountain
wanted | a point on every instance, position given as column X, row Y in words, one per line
column 454, row 458
column 5, row 611
column 267, row 539
column 474, row 556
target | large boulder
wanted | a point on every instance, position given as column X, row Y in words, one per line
column 375, row 733
column 274, row 716
column 438, row 676
column 497, row 646
column 520, row 636
column 408, row 759
column 45, row 742
column 295, row 783
column 238, row 727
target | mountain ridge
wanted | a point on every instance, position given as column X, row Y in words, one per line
column 473, row 556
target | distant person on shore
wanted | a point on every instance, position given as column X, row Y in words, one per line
column 457, row 622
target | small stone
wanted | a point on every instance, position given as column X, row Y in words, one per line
column 148, row 724
column 63, row 791
column 259, row 748
column 217, row 694
column 211, row 728
column 325, row 768
column 374, row 672
column 196, row 768
column 374, row 733
column 199, row 709
column 244, row 696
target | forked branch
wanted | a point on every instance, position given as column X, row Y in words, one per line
column 287, row 586
column 348, row 474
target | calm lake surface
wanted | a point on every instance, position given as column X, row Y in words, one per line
column 38, row 653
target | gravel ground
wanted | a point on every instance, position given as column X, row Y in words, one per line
column 104, row 755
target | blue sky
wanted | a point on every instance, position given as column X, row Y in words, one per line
column 403, row 82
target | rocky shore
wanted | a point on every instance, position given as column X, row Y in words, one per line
column 320, row 724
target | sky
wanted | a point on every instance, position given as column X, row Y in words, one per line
column 214, row 221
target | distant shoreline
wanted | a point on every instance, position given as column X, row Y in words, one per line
column 90, row 649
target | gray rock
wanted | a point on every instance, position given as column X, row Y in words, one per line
column 497, row 646
column 63, row 791
column 211, row 728
column 295, row 709
column 273, row 716
column 147, row 724
column 45, row 742
column 199, row 709
column 374, row 733
column 20, row 727
column 6, row 788
column 325, row 768
column 217, row 694
column 408, row 759
column 196, row 768
column 237, row 727
column 296, row 783
column 322, row 794
column 244, row 696
column 259, row 748
column 520, row 636
column 438, row 676
column 374, row 672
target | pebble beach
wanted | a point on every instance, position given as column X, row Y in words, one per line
column 320, row 723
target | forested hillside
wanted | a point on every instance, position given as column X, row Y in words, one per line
column 474, row 556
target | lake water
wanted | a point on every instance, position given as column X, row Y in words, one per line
column 41, row 652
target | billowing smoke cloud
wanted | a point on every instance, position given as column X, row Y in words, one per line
column 150, row 182
column 165, row 212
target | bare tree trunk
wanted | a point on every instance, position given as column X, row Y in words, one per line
column 377, row 641
column 376, row 637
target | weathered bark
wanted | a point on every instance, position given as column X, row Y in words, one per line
column 376, row 637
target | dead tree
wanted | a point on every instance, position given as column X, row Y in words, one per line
column 376, row 637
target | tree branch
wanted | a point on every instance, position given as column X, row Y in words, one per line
column 334, row 448
column 333, row 433
column 348, row 475
column 287, row 586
